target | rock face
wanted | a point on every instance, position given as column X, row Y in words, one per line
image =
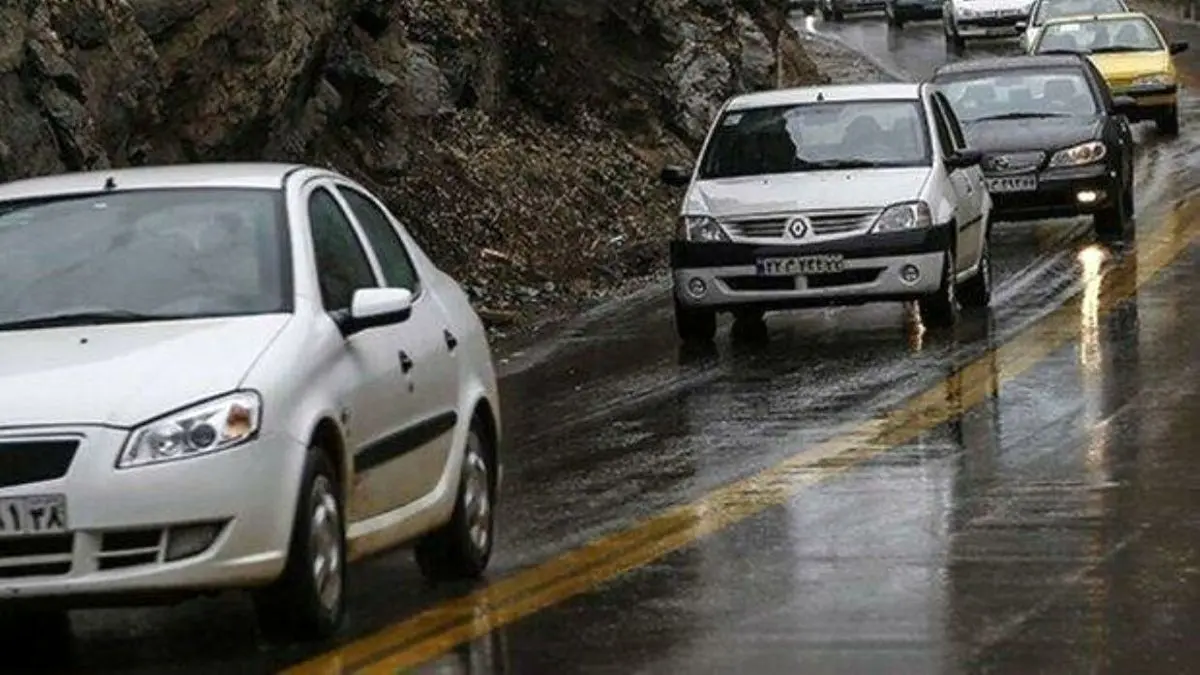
column 519, row 139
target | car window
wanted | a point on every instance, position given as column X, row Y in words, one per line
column 398, row 269
column 1058, row 9
column 342, row 264
column 786, row 139
column 953, row 125
column 1134, row 34
column 992, row 95
column 945, row 140
column 179, row 252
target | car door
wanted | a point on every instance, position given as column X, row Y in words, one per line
column 966, row 215
column 368, row 368
column 427, row 407
column 979, row 202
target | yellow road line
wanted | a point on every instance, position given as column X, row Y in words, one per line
column 452, row 623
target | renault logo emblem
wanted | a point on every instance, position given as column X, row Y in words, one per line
column 797, row 227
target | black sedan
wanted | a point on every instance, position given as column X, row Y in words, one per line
column 1056, row 144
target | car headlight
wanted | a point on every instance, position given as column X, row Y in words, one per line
column 1155, row 78
column 203, row 429
column 1078, row 155
column 701, row 228
column 965, row 13
column 901, row 217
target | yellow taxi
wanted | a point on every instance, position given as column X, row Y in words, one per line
column 1132, row 55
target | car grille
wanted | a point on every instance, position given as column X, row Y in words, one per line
column 820, row 224
column 1013, row 162
column 29, row 460
column 45, row 556
column 992, row 20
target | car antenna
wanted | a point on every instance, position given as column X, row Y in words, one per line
column 110, row 183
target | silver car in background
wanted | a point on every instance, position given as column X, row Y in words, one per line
column 1044, row 10
column 964, row 20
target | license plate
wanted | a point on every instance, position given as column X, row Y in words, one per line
column 38, row 514
column 1012, row 184
column 990, row 32
column 800, row 266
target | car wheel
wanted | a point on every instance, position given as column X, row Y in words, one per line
column 838, row 16
column 940, row 309
column 307, row 602
column 1128, row 200
column 977, row 291
column 461, row 548
column 1167, row 121
column 893, row 20
column 695, row 325
column 825, row 13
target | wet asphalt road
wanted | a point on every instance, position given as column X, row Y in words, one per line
column 1050, row 528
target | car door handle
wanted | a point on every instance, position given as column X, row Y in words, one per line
column 406, row 363
column 451, row 341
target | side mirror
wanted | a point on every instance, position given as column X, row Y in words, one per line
column 1177, row 47
column 964, row 159
column 1123, row 104
column 675, row 175
column 375, row 307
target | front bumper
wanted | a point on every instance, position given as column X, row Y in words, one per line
column 1057, row 194
column 120, row 522
column 1151, row 99
column 871, row 271
column 990, row 27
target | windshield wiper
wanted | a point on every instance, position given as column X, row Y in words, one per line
column 84, row 318
column 1112, row 49
column 850, row 163
column 1021, row 116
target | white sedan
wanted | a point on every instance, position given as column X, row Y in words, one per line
column 231, row 376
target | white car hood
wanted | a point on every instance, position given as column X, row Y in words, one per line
column 125, row 374
column 810, row 190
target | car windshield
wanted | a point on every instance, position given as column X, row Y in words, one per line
column 142, row 255
column 815, row 137
column 1062, row 92
column 1110, row 35
column 1057, row 9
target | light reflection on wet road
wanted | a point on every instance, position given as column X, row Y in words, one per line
column 1051, row 528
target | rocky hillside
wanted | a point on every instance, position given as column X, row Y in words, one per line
column 519, row 138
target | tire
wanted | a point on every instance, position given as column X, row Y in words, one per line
column 954, row 43
column 308, row 601
column 976, row 293
column 940, row 309
column 825, row 14
column 1112, row 220
column 838, row 16
column 1167, row 121
column 893, row 20
column 695, row 325
column 462, row 548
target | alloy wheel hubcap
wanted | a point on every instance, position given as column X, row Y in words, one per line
column 326, row 549
column 477, row 497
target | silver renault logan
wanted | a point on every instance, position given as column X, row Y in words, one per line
column 830, row 195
